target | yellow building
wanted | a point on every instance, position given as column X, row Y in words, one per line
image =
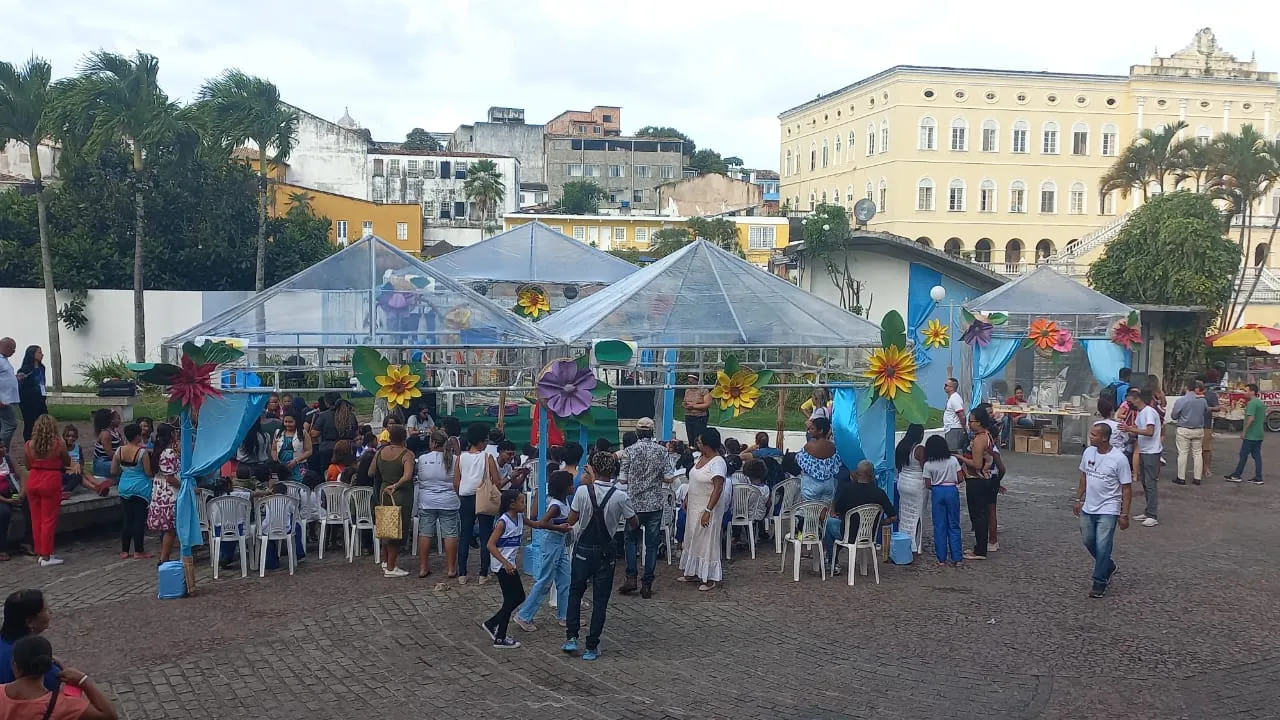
column 757, row 236
column 353, row 218
column 1003, row 166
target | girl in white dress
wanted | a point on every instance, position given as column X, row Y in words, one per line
column 700, row 558
column 909, row 459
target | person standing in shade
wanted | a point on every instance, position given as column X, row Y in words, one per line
column 645, row 471
column 9, row 395
column 32, row 389
column 953, row 416
column 696, row 402
column 46, row 458
column 394, row 467
column 1147, row 429
column 1188, row 414
column 132, row 464
column 1102, row 502
column 598, row 508
column 474, row 467
column 1255, row 415
column 977, row 482
column 1211, row 408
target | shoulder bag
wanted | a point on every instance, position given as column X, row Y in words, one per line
column 488, row 496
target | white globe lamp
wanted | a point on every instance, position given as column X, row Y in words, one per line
column 937, row 292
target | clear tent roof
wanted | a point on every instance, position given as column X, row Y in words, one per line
column 374, row 294
column 533, row 252
column 1047, row 293
column 703, row 296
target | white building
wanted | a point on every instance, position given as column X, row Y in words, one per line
column 15, row 160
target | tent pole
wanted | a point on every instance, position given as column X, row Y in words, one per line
column 782, row 424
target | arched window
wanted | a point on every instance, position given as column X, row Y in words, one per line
column 1203, row 135
column 824, row 197
column 1072, row 245
column 1017, row 197
column 925, row 241
column 884, row 195
column 884, row 136
column 813, row 203
column 1048, row 197
column 1260, row 254
column 1080, row 139
column 982, row 251
column 1018, row 142
column 955, row 195
column 1075, row 203
column 924, row 194
column 848, row 195
column 1013, row 252
column 825, row 157
column 788, row 165
column 928, row 133
column 871, row 139
column 1107, row 204
column 959, row 134
column 1049, row 138
column 870, row 193
column 1110, row 139
column 837, row 158
column 850, row 147
column 1044, row 249
column 953, row 247
column 795, row 206
column 835, row 195
column 987, row 196
column 813, row 156
column 990, row 136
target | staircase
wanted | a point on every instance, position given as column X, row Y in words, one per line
column 1095, row 239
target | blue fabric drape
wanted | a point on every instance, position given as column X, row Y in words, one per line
column 1105, row 360
column 869, row 436
column 223, row 423
column 988, row 361
column 920, row 282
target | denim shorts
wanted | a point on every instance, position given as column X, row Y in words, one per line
column 445, row 520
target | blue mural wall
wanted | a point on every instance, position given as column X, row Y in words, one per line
column 920, row 309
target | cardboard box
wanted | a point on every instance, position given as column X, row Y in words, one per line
column 1020, row 443
column 1049, row 443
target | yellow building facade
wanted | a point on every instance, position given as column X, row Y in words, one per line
column 353, row 218
column 1001, row 166
column 757, row 236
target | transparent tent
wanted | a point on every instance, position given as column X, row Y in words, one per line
column 1048, row 293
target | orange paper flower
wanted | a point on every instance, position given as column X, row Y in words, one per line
column 1043, row 334
column 892, row 370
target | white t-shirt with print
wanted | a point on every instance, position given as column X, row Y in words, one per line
column 950, row 420
column 1153, row 445
column 1104, row 474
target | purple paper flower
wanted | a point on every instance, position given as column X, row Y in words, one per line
column 566, row 388
column 978, row 333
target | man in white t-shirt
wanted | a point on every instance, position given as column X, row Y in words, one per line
column 953, row 416
column 1102, row 502
column 1147, row 428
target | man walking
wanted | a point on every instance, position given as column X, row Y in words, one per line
column 645, row 470
column 8, row 392
column 1102, row 502
column 1255, row 413
column 953, row 417
column 597, row 508
column 1188, row 414
column 697, row 401
column 1122, row 387
column 1146, row 428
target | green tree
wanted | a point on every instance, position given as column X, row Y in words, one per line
column 300, row 203
column 1241, row 171
column 485, row 190
column 26, row 116
column 419, row 139
column 825, row 231
column 631, row 256
column 1172, row 251
column 581, row 197
column 668, row 240
column 721, row 232
column 243, row 108
column 708, row 161
column 656, row 131
column 1150, row 159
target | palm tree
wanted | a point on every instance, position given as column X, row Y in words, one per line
column 1150, row 158
column 25, row 115
column 1241, row 171
column 1127, row 173
column 1162, row 152
column 119, row 99
column 1191, row 161
column 300, row 203
column 243, row 108
column 484, row 188
column 1270, row 154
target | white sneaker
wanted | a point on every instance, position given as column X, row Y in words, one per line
column 1150, row 522
column 1139, row 518
column 992, row 547
column 50, row 562
column 398, row 572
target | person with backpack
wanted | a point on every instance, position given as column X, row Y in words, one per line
column 1120, row 388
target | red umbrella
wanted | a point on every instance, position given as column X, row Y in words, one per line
column 1250, row 335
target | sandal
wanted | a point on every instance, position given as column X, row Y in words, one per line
column 685, row 579
column 707, row 587
column 971, row 556
column 424, row 574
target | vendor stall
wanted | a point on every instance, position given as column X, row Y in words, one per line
column 1256, row 360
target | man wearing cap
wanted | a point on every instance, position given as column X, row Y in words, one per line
column 696, row 402
column 646, row 468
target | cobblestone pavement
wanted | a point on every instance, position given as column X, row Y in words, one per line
column 1188, row 631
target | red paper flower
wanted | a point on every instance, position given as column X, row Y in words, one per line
column 192, row 384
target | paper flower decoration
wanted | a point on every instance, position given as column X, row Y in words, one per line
column 190, row 382
column 978, row 333
column 1126, row 333
column 892, row 371
column 567, row 386
column 737, row 387
column 532, row 302
column 936, row 335
column 398, row 386
column 1065, row 341
column 1042, row 335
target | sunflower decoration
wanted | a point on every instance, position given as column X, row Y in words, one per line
column 1042, row 335
column 397, row 384
column 892, row 371
column 937, row 335
column 532, row 302
column 738, row 387
column 1126, row 333
column 190, row 382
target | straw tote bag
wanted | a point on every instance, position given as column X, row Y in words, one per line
column 386, row 519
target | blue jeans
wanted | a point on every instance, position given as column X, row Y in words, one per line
column 1098, row 532
column 651, row 525
column 471, row 521
column 835, row 530
column 1250, row 449
column 555, row 564
column 944, row 500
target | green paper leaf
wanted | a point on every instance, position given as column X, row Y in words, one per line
column 582, row 361
column 601, row 390
column 913, row 405
column 420, row 370
column 1133, row 318
column 968, row 316
column 585, row 418
column 998, row 318
column 368, row 364
column 613, row 352
column 140, row 367
column 893, row 331
column 764, row 377
column 731, row 365
column 155, row 373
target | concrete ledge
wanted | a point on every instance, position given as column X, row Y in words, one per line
column 123, row 404
column 84, row 510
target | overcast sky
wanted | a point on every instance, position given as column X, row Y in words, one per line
column 720, row 71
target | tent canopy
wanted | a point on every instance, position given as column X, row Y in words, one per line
column 373, row 294
column 1048, row 293
column 533, row 252
column 703, row 296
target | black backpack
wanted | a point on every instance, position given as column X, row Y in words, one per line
column 773, row 472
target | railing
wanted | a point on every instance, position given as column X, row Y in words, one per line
column 1097, row 238
column 1257, row 221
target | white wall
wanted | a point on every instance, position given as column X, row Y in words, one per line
column 329, row 157
column 886, row 281
column 15, row 159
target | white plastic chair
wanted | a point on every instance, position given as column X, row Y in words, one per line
column 229, row 522
column 334, row 510
column 669, row 515
column 202, row 510
column 308, row 508
column 277, row 520
column 866, row 539
column 740, row 516
column 360, row 517
column 784, row 497
column 806, row 531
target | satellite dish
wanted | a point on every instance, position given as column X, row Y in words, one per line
column 864, row 210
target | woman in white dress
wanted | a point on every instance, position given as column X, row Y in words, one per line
column 700, row 559
column 909, row 459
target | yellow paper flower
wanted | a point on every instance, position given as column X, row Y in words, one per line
column 892, row 370
column 532, row 302
column 738, row 392
column 398, row 386
column 936, row 335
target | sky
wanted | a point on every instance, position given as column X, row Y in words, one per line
column 719, row 71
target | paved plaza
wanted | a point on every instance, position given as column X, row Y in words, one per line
column 1189, row 630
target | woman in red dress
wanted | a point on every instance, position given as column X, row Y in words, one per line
column 46, row 458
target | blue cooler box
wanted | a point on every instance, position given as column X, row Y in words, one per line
column 900, row 549
column 172, row 580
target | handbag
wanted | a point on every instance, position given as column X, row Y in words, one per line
column 386, row 520
column 488, row 498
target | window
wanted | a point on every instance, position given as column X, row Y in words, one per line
column 642, row 235
column 1110, row 137
column 459, row 170
column 579, row 232
column 884, row 136
column 1048, row 197
column 959, row 134
column 573, row 170
column 1080, row 139
column 1049, row 139
column 366, row 228
column 990, row 136
column 1202, row 135
column 871, row 140
column 813, row 156
column 824, row 197
column 429, row 208
column 592, row 170
column 953, row 247
column 982, row 251
column 620, row 233
column 850, row 146
column 616, row 171
column 870, row 193
column 884, row 195
column 459, row 209
column 824, row 152
column 848, row 195
column 1018, row 197
column 637, row 196
column 785, row 172
column 1020, row 130
column 667, row 171
column 837, row 148
column 393, row 167
column 412, row 168
column 924, row 194
column 642, row 171
column 402, row 231
column 760, row 237
column 1107, row 204
column 379, row 191
column 558, row 228
column 377, row 166
column 955, row 196
column 928, row 134
column 607, row 118
column 1075, row 202
column 342, row 231
column 813, row 203
column 1013, row 252
column 987, row 196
